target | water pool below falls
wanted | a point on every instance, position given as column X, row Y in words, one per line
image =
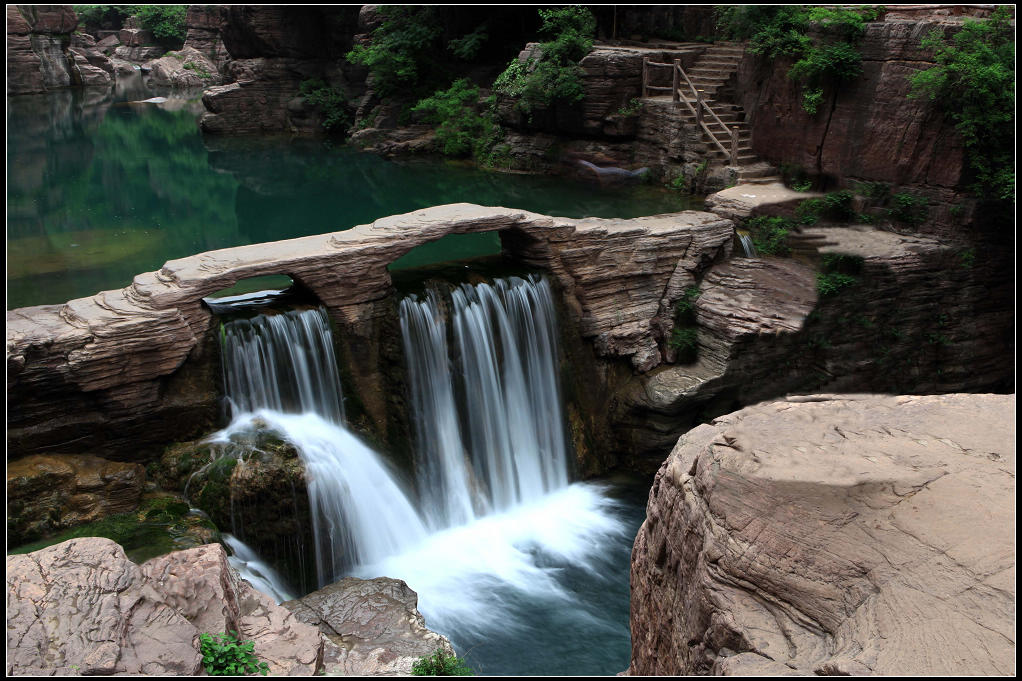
column 524, row 571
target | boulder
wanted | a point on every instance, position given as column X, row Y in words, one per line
column 856, row 534
column 186, row 68
column 51, row 492
column 38, row 37
column 374, row 625
column 81, row 607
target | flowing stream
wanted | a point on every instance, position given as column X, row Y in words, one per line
column 509, row 559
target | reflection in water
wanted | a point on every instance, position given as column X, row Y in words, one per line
column 101, row 189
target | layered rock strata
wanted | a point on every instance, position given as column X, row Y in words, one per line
column 914, row 319
column 832, row 535
column 372, row 627
column 38, row 38
column 82, row 608
column 103, row 369
column 47, row 493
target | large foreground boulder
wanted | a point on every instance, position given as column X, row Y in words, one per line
column 373, row 627
column 81, row 607
column 833, row 535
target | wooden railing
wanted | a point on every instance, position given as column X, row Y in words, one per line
column 700, row 105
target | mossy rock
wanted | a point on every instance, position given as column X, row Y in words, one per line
column 162, row 523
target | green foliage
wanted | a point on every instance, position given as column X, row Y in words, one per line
column 633, row 107
column 967, row 258
column 830, row 283
column 199, row 70
column 839, row 271
column 402, row 53
column 908, row 208
column 803, row 186
column 783, row 31
column 770, row 234
column 974, row 83
column 684, row 339
column 836, row 206
column 461, row 129
column 167, row 22
column 225, row 655
column 468, row 46
column 94, row 17
column 684, row 309
column 329, row 100
column 441, row 663
column 876, row 191
column 555, row 74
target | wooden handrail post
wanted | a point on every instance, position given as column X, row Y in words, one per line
column 734, row 146
column 676, row 92
column 699, row 107
column 645, row 75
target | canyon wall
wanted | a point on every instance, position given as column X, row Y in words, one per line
column 38, row 40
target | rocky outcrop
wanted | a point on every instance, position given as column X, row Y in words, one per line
column 38, row 38
column 868, row 129
column 82, row 608
column 832, row 535
column 47, row 493
column 264, row 54
column 185, row 68
column 914, row 318
column 101, row 369
column 373, row 627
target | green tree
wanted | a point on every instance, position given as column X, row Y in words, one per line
column 974, row 83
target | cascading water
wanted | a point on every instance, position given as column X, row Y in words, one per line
column 745, row 239
column 500, row 547
column 279, row 363
column 511, row 447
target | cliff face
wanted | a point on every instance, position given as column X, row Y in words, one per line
column 868, row 129
column 832, row 535
column 38, row 39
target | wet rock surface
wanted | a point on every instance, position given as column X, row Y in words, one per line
column 832, row 535
column 47, row 493
column 81, row 607
column 373, row 627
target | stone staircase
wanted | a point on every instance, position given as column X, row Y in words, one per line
column 708, row 75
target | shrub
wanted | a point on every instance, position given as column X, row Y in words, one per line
column 403, row 48
column 441, row 663
column 839, row 271
column 770, row 234
column 225, row 655
column 974, row 83
column 836, row 206
column 167, row 22
column 330, row 101
column 684, row 339
column 462, row 130
column 783, row 31
column 554, row 75
column 908, row 208
column 829, row 283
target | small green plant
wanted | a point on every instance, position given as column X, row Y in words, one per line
column 685, row 340
column 830, row 283
column 967, row 258
column 802, row 186
column 908, row 208
column 225, row 655
column 198, row 69
column 684, row 309
column 836, row 206
column 329, row 100
column 875, row 191
column 441, row 663
column 770, row 234
column 633, row 107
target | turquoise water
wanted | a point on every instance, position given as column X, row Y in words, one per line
column 101, row 191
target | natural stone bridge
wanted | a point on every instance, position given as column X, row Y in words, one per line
column 111, row 370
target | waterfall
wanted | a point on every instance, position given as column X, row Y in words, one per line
column 745, row 239
column 284, row 362
column 281, row 374
column 256, row 571
column 505, row 444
